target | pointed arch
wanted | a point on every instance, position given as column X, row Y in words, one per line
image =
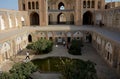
column 33, row 5
column 29, row 38
column 87, row 18
column 50, row 18
column 109, row 47
column 29, row 5
column 23, row 21
column 5, row 47
column 61, row 18
column 34, row 18
column 5, row 50
column 37, row 5
column 72, row 18
column 61, row 6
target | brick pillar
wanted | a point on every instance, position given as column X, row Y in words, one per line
column 20, row 4
column 43, row 11
column 96, row 4
column 78, row 12
column 26, row 5
column 103, row 4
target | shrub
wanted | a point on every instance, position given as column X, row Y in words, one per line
column 41, row 46
column 78, row 69
column 19, row 71
column 5, row 75
column 75, row 48
column 22, row 70
column 29, row 46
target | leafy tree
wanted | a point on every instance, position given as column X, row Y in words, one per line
column 78, row 69
column 41, row 46
column 29, row 46
column 75, row 48
column 22, row 70
column 5, row 75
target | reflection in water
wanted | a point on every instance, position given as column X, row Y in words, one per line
column 50, row 64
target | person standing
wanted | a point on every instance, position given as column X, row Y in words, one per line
column 64, row 43
column 27, row 55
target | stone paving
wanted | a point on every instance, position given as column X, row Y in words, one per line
column 6, row 66
column 88, row 53
column 38, row 75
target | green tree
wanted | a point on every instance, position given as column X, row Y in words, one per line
column 75, row 48
column 5, row 75
column 22, row 70
column 41, row 46
column 78, row 69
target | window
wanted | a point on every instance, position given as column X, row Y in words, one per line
column 33, row 5
column 99, row 4
column 23, row 6
column 78, row 38
column 84, row 4
column 48, row 8
column 93, row 4
column 37, row 5
column 29, row 5
column 88, row 4
column 61, row 6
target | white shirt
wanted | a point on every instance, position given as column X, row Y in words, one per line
column 27, row 54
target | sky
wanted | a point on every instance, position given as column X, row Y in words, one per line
column 13, row 4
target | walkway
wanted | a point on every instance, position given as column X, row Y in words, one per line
column 88, row 53
column 112, row 35
column 38, row 75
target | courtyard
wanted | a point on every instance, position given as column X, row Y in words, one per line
column 80, row 39
column 104, row 71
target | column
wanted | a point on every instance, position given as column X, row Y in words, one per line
column 20, row 4
column 26, row 5
column 86, row 4
column 103, row 4
column 96, row 4
column 78, row 12
column 43, row 12
column 90, row 4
